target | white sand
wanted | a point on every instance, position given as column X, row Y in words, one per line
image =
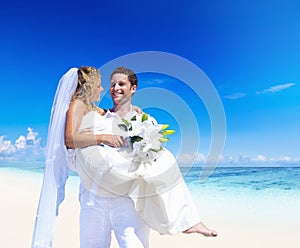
column 241, row 220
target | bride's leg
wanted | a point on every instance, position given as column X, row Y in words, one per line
column 201, row 229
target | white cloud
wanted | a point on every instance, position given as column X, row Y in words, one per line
column 260, row 158
column 235, row 96
column 240, row 160
column 25, row 148
column 6, row 146
column 31, row 136
column 276, row 88
column 286, row 159
column 227, row 159
column 189, row 158
column 21, row 142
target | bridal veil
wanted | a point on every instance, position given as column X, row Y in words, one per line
column 58, row 162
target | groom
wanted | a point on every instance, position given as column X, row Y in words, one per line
column 105, row 212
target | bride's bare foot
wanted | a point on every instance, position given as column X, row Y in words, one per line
column 201, row 229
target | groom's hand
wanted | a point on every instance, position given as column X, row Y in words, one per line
column 111, row 140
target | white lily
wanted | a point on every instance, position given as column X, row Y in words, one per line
column 146, row 135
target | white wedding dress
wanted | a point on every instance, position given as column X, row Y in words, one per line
column 157, row 188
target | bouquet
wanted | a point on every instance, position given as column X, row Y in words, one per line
column 145, row 135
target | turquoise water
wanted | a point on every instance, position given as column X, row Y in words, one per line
column 271, row 190
column 244, row 179
column 247, row 178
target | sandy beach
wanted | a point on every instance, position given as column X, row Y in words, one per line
column 241, row 220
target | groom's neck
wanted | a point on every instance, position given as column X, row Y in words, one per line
column 122, row 109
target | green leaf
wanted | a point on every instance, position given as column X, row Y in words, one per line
column 156, row 150
column 123, row 127
column 133, row 118
column 144, row 117
column 135, row 139
column 126, row 122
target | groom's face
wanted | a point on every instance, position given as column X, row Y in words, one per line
column 121, row 90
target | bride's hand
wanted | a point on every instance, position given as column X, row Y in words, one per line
column 111, row 140
column 137, row 109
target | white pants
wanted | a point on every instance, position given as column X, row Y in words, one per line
column 100, row 215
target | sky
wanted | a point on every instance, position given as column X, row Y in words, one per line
column 249, row 51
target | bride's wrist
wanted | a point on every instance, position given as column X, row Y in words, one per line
column 99, row 139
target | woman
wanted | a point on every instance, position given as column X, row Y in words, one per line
column 77, row 91
column 75, row 94
column 87, row 92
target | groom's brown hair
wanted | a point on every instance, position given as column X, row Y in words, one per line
column 130, row 74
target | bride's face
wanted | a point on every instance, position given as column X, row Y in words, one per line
column 97, row 89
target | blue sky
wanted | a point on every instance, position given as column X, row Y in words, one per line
column 248, row 49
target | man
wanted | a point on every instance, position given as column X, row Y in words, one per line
column 101, row 210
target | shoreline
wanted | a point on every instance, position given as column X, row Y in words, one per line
column 241, row 220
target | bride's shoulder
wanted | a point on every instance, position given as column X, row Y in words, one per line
column 77, row 106
column 77, row 103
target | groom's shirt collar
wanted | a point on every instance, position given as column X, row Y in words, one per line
column 130, row 114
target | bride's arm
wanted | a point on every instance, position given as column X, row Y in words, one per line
column 137, row 109
column 75, row 139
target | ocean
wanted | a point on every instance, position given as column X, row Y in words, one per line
column 247, row 178
column 222, row 179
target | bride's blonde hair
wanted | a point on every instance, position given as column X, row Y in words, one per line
column 87, row 75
